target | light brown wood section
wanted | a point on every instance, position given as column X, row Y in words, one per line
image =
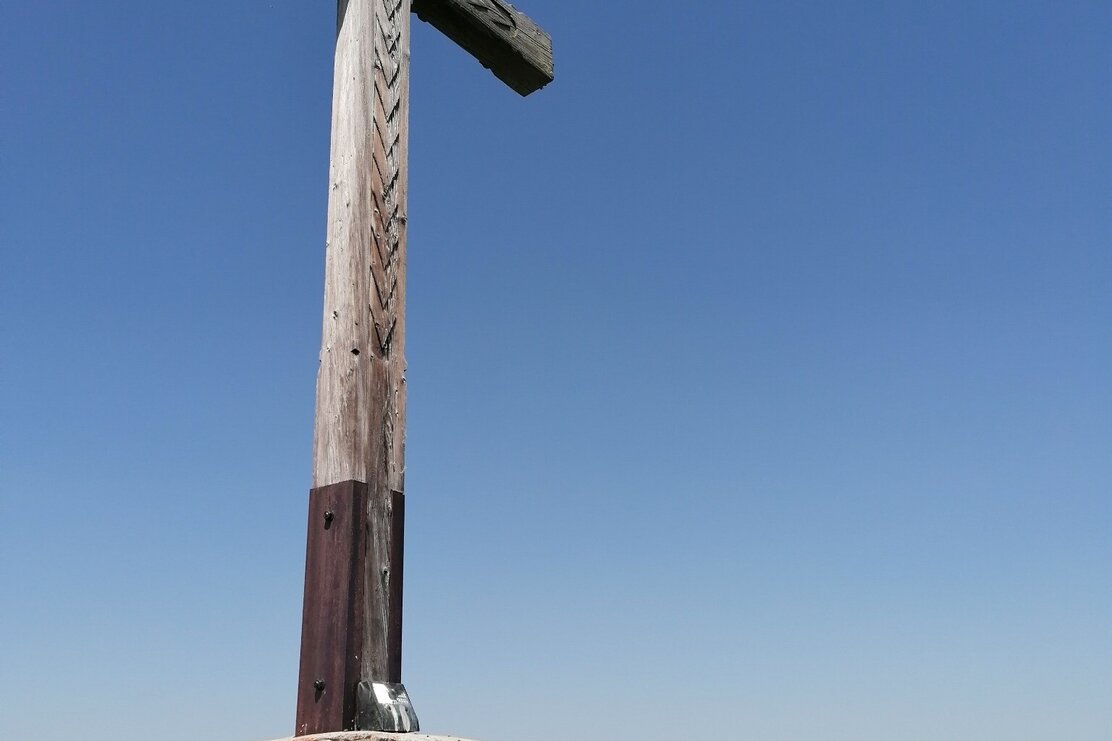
column 359, row 429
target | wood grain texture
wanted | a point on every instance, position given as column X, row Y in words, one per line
column 380, row 659
column 502, row 38
column 333, row 621
column 359, row 431
column 352, row 621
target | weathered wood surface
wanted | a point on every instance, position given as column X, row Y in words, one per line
column 502, row 38
column 353, row 629
column 360, row 408
column 352, row 621
column 333, row 618
column 381, row 657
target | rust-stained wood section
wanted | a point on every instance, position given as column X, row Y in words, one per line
column 352, row 621
column 381, row 657
column 332, row 616
column 502, row 38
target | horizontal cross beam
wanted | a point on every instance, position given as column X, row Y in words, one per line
column 502, row 38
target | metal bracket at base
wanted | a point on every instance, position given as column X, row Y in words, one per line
column 385, row 707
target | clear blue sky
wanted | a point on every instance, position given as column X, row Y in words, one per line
column 760, row 371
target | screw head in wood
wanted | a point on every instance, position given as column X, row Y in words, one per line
column 319, row 685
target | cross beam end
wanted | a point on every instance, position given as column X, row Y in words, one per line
column 502, row 38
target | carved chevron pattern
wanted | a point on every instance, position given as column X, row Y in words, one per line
column 360, row 418
column 387, row 117
column 387, row 260
column 497, row 11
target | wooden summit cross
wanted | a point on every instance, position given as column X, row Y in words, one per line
column 352, row 625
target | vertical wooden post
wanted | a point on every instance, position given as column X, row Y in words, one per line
column 351, row 629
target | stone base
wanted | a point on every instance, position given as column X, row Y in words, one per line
column 374, row 735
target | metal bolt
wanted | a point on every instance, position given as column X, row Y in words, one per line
column 328, row 516
column 319, row 685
